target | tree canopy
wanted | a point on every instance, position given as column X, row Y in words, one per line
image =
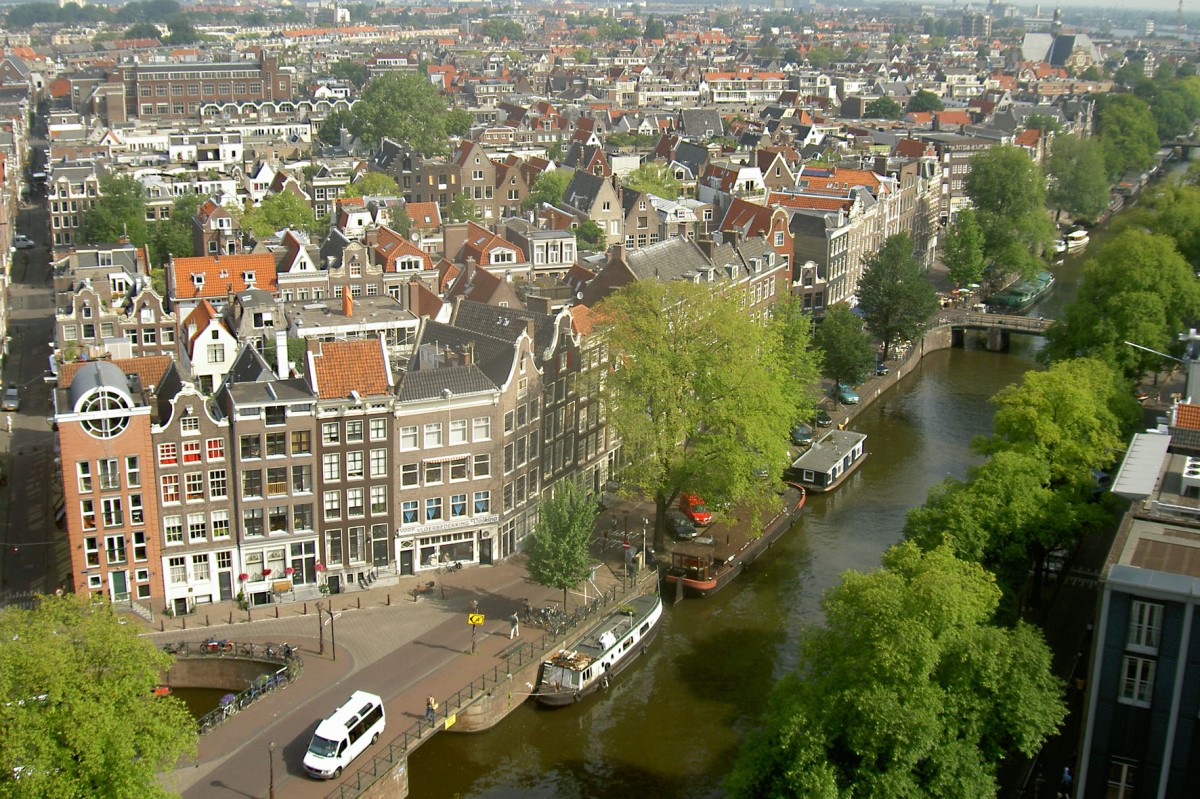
column 895, row 299
column 558, row 548
column 407, row 108
column 701, row 394
column 908, row 689
column 925, row 100
column 120, row 211
column 1127, row 132
column 590, row 236
column 1009, row 195
column 1077, row 177
column 883, row 108
column 548, row 188
column 462, row 209
column 962, row 252
column 654, row 178
column 281, row 211
column 330, row 130
column 848, row 352
column 373, row 184
column 77, row 704
column 173, row 236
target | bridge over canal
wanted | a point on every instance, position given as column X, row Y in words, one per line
column 997, row 327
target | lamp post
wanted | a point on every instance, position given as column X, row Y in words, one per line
column 271, row 770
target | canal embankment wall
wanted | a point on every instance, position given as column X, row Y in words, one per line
column 937, row 338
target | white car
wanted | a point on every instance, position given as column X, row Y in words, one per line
column 22, row 242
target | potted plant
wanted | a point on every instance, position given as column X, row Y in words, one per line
column 241, row 601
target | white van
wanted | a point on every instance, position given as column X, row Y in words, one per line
column 344, row 735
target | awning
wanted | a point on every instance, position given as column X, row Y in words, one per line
column 1140, row 469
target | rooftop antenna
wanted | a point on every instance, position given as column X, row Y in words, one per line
column 1179, row 23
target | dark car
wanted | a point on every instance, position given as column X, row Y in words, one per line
column 802, row 435
column 12, row 399
column 881, row 369
column 679, row 526
column 822, row 418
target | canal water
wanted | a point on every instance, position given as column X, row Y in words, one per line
column 670, row 725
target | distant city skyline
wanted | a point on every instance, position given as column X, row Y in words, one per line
column 1148, row 7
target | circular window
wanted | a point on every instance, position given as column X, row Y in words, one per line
column 111, row 414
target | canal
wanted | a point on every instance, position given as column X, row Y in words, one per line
column 670, row 726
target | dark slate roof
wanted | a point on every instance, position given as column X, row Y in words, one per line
column 493, row 355
column 667, row 260
column 701, row 122
column 432, row 383
column 582, row 190
column 1061, row 49
column 504, row 323
column 691, row 155
column 251, row 382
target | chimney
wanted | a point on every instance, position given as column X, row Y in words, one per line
column 347, row 303
column 281, row 353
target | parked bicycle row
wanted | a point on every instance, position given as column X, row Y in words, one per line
column 256, row 689
column 555, row 621
column 222, row 646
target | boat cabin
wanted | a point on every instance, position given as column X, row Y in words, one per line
column 829, row 460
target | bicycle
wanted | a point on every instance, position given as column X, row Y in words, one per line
column 450, row 567
column 247, row 650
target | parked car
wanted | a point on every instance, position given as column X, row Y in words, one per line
column 822, row 419
column 881, row 369
column 1140, row 394
column 802, row 435
column 680, row 527
column 846, row 395
column 22, row 242
column 695, row 509
column 12, row 398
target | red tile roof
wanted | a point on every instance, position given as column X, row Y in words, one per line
column 1188, row 416
column 344, row 366
column 222, row 274
column 149, row 369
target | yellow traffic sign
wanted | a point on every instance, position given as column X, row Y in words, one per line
column 475, row 619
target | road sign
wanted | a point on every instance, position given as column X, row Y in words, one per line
column 624, row 545
column 475, row 619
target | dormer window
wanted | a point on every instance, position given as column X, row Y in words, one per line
column 198, row 280
column 249, row 278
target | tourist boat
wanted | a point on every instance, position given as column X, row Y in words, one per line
column 700, row 568
column 1077, row 240
column 599, row 654
column 1022, row 294
column 829, row 461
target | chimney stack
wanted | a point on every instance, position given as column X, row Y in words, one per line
column 347, row 303
column 281, row 353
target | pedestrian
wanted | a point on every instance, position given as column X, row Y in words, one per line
column 8, row 423
column 515, row 629
column 1064, row 789
column 431, row 705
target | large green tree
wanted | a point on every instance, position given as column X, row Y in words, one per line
column 848, row 352
column 1127, row 132
column 330, row 130
column 373, row 184
column 77, row 704
column 120, row 211
column 407, row 108
column 547, row 188
column 282, row 211
column 590, row 236
column 907, row 690
column 962, row 250
column 1136, row 288
column 925, row 100
column 558, row 548
column 462, row 209
column 882, row 108
column 172, row 237
column 1008, row 192
column 895, row 298
column 1077, row 177
column 654, row 178
column 701, row 395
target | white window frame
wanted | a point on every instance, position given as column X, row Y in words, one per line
column 1137, row 681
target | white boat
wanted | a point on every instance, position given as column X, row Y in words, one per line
column 1060, row 246
column 601, row 653
column 1077, row 240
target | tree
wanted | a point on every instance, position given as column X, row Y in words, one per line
column 173, row 236
column 547, row 189
column 182, row 31
column 1127, row 132
column 1077, row 184
column 963, row 250
column 821, row 56
column 462, row 209
column 330, row 131
column 1043, row 122
column 883, row 108
column 893, row 295
column 120, row 211
column 498, row 29
column 353, row 71
column 654, row 178
column 655, row 28
column 849, row 352
column 1092, row 73
column 701, row 394
column 276, row 212
column 589, row 236
column 925, row 100
column 1009, row 195
column 908, row 689
column 558, row 547
column 373, row 184
column 77, row 703
column 142, row 30
column 405, row 107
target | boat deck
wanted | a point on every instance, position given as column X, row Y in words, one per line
column 587, row 649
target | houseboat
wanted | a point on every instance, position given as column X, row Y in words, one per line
column 601, row 653
column 1022, row 294
column 829, row 461
column 704, row 566
column 1077, row 240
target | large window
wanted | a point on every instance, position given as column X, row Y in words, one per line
column 1137, row 681
column 409, row 475
column 109, row 473
column 378, row 500
column 331, row 467
column 1145, row 626
column 379, row 463
column 355, row 503
column 1121, row 780
column 251, row 446
column 170, row 488
column 301, row 442
column 433, row 509
column 330, row 433
column 252, row 522
column 354, row 431
column 301, row 479
column 173, row 529
column 483, row 501
column 408, row 511
column 333, row 504
column 354, row 465
column 252, row 483
column 194, row 486
column 218, row 487
column 408, row 437
column 333, row 547
column 483, row 465
column 481, row 428
column 458, row 431
column 379, row 429
column 433, row 435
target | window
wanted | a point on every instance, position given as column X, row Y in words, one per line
column 378, row 500
column 302, row 517
column 481, row 428
column 433, row 473
column 193, row 484
column 510, row 421
column 109, row 474
column 354, row 431
column 170, row 488
column 330, row 433
column 1137, row 681
column 277, row 481
column 458, row 469
column 114, row 547
column 173, row 529
column 379, row 429
column 190, row 424
column 409, row 475
column 197, row 527
column 331, row 467
column 357, row 537
column 483, row 465
column 220, row 523
column 433, row 509
column 379, row 463
column 333, row 505
column 408, row 437
column 408, row 511
column 191, row 452
column 301, row 442
column 167, row 455
column 333, row 547
column 483, row 501
column 137, row 514
column 178, row 569
column 458, row 431
column 302, row 479
column 83, row 470
column 215, row 448
column 433, row 435
column 252, row 522
column 354, row 465
column 251, row 446
column 354, row 502
column 1145, row 627
column 199, row 567
column 276, row 444
column 252, row 483
column 458, row 505
column 277, row 519
column 1120, row 780
column 139, row 548
column 218, row 484
column 87, row 512
column 133, row 472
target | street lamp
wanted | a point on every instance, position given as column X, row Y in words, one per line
column 271, row 769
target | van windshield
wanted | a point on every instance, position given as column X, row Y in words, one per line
column 322, row 747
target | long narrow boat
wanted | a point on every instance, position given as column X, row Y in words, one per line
column 699, row 569
column 601, row 653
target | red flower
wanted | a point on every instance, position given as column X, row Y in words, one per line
column 266, row 572
column 289, row 571
column 243, row 577
column 320, row 566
